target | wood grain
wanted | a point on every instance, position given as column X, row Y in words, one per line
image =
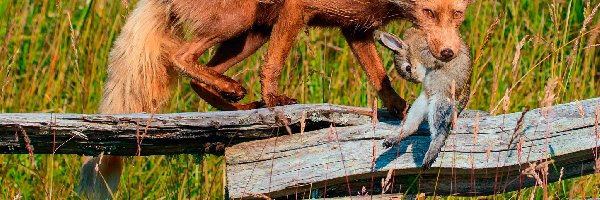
column 339, row 161
column 161, row 134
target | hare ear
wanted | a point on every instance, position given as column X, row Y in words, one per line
column 390, row 41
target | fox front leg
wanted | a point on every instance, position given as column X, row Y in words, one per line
column 440, row 122
column 365, row 51
column 285, row 30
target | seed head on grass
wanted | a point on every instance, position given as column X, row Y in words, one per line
column 582, row 31
column 537, row 170
column 517, row 56
column 580, row 109
column 488, row 35
column 549, row 95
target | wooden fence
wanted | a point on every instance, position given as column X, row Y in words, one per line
column 330, row 150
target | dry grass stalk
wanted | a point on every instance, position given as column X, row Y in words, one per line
column 517, row 132
column 597, row 133
column 363, row 191
column 27, row 145
column 488, row 151
column 520, row 149
column 374, row 119
column 597, row 165
column 18, row 196
column 472, row 156
column 330, row 135
column 397, row 197
column 75, row 134
column 488, row 35
column 532, row 196
column 562, row 173
column 97, row 169
column 141, row 139
column 286, row 122
column 385, row 183
column 582, row 31
column 597, row 107
column 591, row 46
column 549, row 95
column 8, row 67
column 421, row 196
column 476, row 128
column 303, row 123
column 374, row 156
column 538, row 171
column 454, row 104
column 494, row 90
column 592, row 39
column 506, row 101
column 258, row 196
column 517, row 56
column 76, row 53
column 580, row 109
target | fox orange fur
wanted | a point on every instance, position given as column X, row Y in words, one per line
column 150, row 51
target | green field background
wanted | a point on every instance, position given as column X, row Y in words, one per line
column 53, row 56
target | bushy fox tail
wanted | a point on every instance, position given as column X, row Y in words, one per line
column 139, row 72
column 139, row 77
column 100, row 177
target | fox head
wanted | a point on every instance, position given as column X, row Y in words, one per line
column 440, row 21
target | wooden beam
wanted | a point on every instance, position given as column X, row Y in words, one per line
column 179, row 133
column 340, row 161
column 334, row 154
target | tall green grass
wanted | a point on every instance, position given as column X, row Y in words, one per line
column 53, row 56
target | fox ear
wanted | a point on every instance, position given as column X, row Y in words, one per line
column 390, row 41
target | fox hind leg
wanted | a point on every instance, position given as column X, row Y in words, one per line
column 234, row 50
column 211, row 28
column 228, row 54
column 186, row 61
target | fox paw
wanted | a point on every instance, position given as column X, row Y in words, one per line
column 250, row 106
column 278, row 100
column 231, row 95
column 396, row 106
column 234, row 95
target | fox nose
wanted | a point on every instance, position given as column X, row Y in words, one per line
column 447, row 54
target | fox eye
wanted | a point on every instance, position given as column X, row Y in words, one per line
column 428, row 13
column 457, row 14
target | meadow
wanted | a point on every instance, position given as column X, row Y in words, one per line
column 53, row 56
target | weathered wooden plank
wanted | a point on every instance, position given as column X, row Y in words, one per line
column 164, row 133
column 342, row 159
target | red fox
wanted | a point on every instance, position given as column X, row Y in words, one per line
column 437, row 102
column 150, row 51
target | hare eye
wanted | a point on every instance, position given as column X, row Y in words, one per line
column 407, row 67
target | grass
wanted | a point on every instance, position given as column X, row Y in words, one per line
column 53, row 56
